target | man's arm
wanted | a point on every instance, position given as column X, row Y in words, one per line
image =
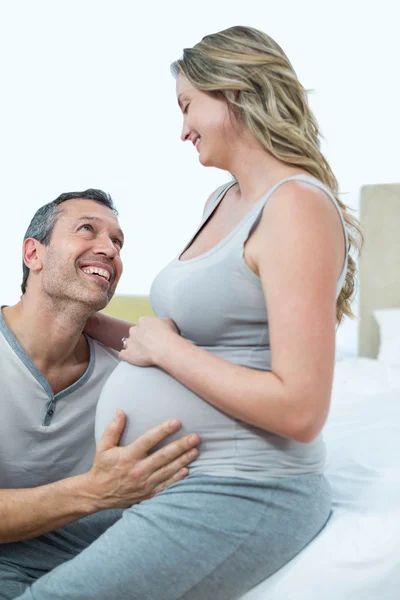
column 119, row 477
column 107, row 329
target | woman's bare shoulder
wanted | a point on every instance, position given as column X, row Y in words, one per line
column 302, row 210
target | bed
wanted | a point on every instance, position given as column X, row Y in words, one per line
column 357, row 555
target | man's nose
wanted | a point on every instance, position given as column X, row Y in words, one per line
column 106, row 246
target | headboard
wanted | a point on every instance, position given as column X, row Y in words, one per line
column 129, row 308
column 379, row 274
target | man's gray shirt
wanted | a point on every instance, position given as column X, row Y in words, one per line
column 45, row 437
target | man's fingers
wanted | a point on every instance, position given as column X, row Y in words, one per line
column 113, row 432
column 165, row 484
column 168, row 461
column 146, row 442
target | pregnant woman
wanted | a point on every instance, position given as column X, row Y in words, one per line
column 242, row 349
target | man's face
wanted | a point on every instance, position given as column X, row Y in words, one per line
column 82, row 263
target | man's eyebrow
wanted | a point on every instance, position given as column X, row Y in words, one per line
column 89, row 218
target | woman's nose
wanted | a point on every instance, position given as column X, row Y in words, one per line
column 185, row 133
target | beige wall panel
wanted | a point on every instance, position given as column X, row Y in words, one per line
column 380, row 260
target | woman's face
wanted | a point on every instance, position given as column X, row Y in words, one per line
column 206, row 123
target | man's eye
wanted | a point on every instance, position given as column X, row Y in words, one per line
column 186, row 108
column 117, row 242
column 85, row 226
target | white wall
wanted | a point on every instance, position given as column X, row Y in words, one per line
column 87, row 100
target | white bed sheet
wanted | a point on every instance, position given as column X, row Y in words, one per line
column 357, row 554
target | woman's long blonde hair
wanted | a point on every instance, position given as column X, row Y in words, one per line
column 252, row 73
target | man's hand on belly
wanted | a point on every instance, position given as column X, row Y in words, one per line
column 122, row 476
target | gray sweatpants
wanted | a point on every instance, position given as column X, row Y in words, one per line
column 203, row 538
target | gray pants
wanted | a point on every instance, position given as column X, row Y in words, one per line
column 203, row 538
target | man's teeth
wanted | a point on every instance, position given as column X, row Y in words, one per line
column 97, row 271
column 197, row 142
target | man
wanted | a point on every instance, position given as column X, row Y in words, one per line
column 51, row 473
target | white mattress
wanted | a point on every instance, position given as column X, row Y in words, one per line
column 357, row 555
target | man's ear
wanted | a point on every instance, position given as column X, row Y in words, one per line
column 32, row 254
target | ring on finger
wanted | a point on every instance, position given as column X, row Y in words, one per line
column 123, row 340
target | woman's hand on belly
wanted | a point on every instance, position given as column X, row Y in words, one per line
column 148, row 339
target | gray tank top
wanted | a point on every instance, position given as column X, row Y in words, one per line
column 218, row 304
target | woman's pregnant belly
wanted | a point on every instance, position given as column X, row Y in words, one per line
column 149, row 395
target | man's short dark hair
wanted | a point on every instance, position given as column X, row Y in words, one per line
column 42, row 225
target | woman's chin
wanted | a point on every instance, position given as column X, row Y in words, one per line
column 206, row 161
column 203, row 160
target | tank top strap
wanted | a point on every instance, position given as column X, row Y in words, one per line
column 212, row 204
column 256, row 212
column 307, row 179
column 215, row 199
